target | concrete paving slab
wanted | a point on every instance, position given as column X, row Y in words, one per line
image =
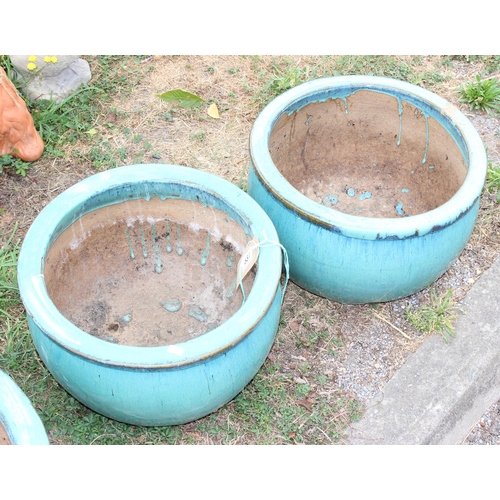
column 443, row 389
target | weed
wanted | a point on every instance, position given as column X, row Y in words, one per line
column 491, row 62
column 428, row 78
column 492, row 183
column 282, row 79
column 302, row 390
column 12, row 163
column 305, row 368
column 168, row 116
column 8, row 284
column 312, row 338
column 242, row 182
column 198, row 136
column 437, row 316
column 483, row 95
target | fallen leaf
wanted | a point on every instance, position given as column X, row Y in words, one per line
column 213, row 111
column 306, row 403
column 299, row 380
column 295, row 325
column 185, row 99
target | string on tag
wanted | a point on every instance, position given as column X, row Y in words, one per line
column 250, row 256
column 271, row 243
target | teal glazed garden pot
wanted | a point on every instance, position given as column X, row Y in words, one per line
column 18, row 417
column 154, row 348
column 372, row 184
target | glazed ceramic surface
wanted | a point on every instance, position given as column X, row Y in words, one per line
column 161, row 385
column 17, row 415
column 354, row 258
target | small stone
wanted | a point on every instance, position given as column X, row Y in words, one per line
column 494, row 428
column 43, row 65
column 52, row 80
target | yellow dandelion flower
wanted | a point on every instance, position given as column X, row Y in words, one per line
column 50, row 59
column 31, row 66
column 32, row 58
column 54, row 59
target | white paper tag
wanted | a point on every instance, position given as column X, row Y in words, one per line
column 248, row 259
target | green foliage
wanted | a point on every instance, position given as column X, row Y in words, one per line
column 372, row 65
column 492, row 183
column 436, row 316
column 285, row 79
column 274, row 409
column 9, row 68
column 286, row 73
column 8, row 278
column 483, row 95
column 74, row 119
column 14, row 164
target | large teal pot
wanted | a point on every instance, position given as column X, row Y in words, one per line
column 168, row 384
column 17, row 415
column 325, row 124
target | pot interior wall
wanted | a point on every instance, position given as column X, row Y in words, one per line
column 148, row 273
column 369, row 154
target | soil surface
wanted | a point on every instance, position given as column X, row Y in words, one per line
column 345, row 154
column 148, row 273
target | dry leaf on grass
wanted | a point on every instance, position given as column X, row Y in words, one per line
column 213, row 111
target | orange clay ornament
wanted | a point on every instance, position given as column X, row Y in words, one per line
column 18, row 135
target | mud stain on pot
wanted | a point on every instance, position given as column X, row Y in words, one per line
column 369, row 154
column 147, row 273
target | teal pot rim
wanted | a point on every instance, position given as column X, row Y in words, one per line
column 370, row 228
column 67, row 207
column 17, row 415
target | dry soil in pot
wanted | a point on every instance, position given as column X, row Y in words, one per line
column 148, row 273
column 346, row 154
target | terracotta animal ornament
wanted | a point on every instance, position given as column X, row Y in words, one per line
column 18, row 135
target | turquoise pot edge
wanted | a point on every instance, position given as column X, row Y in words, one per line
column 173, row 385
column 18, row 416
column 296, row 217
column 42, row 232
column 378, row 276
column 161, row 396
column 363, row 227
